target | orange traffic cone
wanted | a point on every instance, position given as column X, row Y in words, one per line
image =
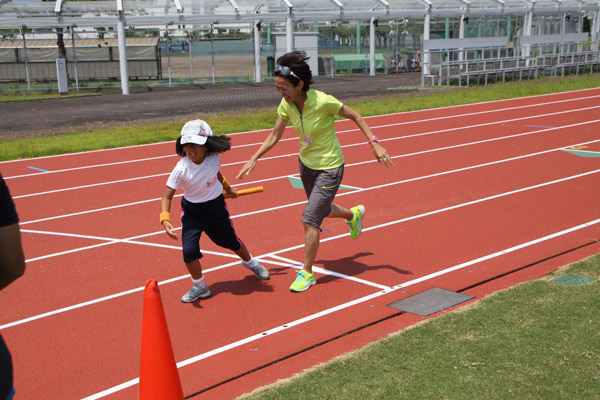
column 159, row 379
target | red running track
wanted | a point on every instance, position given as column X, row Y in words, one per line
column 482, row 196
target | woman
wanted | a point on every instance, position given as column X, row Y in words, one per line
column 312, row 113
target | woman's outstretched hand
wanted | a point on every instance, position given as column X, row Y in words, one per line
column 381, row 154
column 246, row 169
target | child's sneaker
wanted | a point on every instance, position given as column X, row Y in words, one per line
column 303, row 281
column 259, row 271
column 356, row 223
column 195, row 293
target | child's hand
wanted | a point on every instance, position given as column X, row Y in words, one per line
column 232, row 192
column 169, row 229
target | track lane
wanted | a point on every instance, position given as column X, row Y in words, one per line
column 357, row 264
column 287, row 228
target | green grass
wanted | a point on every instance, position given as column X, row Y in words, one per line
column 20, row 96
column 75, row 140
column 536, row 340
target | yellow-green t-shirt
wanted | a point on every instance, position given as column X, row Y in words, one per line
column 319, row 146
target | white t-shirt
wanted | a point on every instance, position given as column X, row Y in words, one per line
column 199, row 181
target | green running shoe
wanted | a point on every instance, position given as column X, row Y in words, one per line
column 303, row 281
column 356, row 223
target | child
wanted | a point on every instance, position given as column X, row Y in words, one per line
column 203, row 206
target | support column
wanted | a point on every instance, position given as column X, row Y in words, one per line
column 290, row 32
column 123, row 55
column 257, row 59
column 461, row 35
column 527, row 27
column 372, row 45
column 596, row 27
column 425, row 67
column 26, row 59
column 447, row 29
column 358, row 39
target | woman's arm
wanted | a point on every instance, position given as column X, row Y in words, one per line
column 267, row 145
column 380, row 153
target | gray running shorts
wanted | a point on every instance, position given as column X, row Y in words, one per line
column 321, row 187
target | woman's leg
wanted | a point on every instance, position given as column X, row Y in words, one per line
column 312, row 237
column 340, row 212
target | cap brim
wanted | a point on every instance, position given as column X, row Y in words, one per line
column 196, row 139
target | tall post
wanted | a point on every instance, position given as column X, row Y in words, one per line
column 425, row 67
column 596, row 29
column 528, row 23
column 397, row 53
column 358, row 39
column 26, row 60
column 212, row 53
column 289, row 26
column 191, row 53
column 461, row 35
column 168, row 54
column 372, row 27
column 563, row 31
column 257, row 63
column 461, row 51
column 74, row 57
column 332, row 61
column 123, row 54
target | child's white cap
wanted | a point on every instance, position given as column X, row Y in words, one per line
column 196, row 131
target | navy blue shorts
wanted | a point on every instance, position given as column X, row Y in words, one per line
column 211, row 217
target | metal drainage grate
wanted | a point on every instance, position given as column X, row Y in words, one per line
column 430, row 301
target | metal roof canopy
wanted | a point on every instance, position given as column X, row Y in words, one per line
column 21, row 14
column 78, row 43
column 62, row 13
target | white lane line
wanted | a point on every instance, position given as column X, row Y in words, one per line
column 135, row 179
column 274, row 254
column 136, row 146
column 90, row 166
column 481, row 112
column 109, row 297
column 362, row 163
column 337, row 122
column 346, row 305
column 350, row 145
column 454, row 170
column 110, row 241
column 131, row 240
column 339, row 194
column 297, row 265
column 460, row 128
column 498, row 254
column 91, row 211
column 293, row 154
column 89, row 186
